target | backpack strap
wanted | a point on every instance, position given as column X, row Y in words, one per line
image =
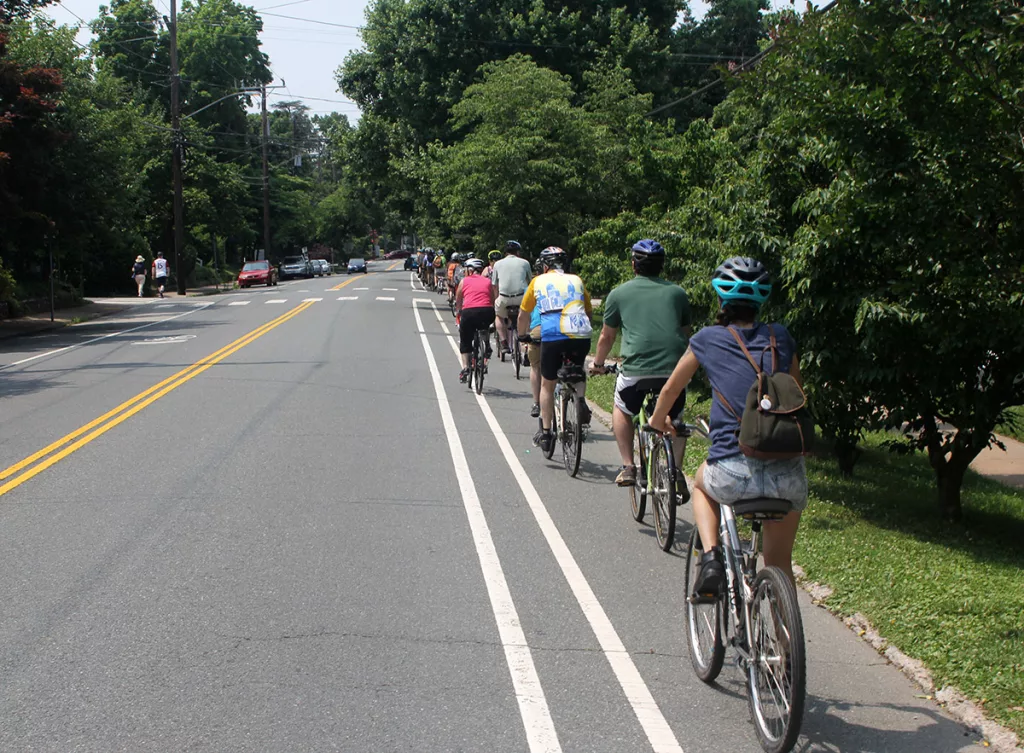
column 739, row 341
column 728, row 407
column 775, row 349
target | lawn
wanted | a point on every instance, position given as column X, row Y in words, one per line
column 1015, row 426
column 951, row 595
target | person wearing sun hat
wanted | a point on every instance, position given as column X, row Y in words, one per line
column 139, row 273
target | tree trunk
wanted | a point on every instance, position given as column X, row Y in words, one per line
column 951, row 481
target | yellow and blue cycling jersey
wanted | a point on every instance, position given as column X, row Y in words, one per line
column 564, row 306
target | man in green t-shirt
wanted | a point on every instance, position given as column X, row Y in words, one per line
column 654, row 316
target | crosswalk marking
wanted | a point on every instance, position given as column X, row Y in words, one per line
column 385, row 298
column 278, row 300
column 349, row 298
column 311, row 300
column 239, row 303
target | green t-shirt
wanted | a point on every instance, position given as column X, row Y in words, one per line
column 650, row 312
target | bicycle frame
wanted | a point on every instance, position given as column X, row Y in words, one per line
column 740, row 570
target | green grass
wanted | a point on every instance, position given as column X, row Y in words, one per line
column 951, row 595
column 597, row 321
column 1015, row 427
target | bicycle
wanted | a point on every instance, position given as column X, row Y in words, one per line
column 511, row 340
column 568, row 430
column 477, row 361
column 758, row 615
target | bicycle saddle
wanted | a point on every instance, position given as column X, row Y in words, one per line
column 761, row 508
column 571, row 373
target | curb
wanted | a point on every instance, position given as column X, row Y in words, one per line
column 956, row 704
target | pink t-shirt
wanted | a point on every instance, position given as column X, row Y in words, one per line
column 476, row 292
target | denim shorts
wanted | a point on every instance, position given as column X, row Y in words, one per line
column 738, row 477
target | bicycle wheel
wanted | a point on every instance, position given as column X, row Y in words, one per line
column 638, row 491
column 571, row 434
column 664, row 495
column 776, row 674
column 481, row 353
column 516, row 348
column 703, row 620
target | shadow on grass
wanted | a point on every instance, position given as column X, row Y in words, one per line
column 898, row 493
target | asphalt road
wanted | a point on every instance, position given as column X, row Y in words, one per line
column 293, row 530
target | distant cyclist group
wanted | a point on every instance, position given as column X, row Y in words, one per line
column 551, row 311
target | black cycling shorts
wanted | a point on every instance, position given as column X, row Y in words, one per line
column 472, row 320
column 554, row 352
column 630, row 393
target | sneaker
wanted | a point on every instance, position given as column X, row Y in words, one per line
column 585, row 414
column 711, row 576
column 535, row 411
column 682, row 490
column 538, row 437
column 547, row 441
column 526, row 359
column 627, row 476
column 464, row 376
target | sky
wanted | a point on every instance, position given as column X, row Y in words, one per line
column 304, row 54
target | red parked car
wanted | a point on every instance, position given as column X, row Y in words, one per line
column 257, row 273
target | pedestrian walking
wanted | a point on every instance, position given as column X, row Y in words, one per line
column 139, row 273
column 161, row 271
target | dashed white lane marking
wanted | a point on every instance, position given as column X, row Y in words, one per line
column 104, row 337
column 658, row 731
column 360, row 288
column 348, row 298
column 533, row 706
column 385, row 298
column 164, row 306
column 278, row 300
column 311, row 300
column 303, row 291
column 390, row 290
column 239, row 303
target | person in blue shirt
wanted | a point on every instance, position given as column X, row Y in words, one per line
column 728, row 476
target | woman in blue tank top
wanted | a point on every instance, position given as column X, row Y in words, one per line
column 728, row 476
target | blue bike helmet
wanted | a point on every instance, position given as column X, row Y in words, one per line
column 513, row 247
column 647, row 248
column 742, row 280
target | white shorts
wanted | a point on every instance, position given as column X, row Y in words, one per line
column 504, row 301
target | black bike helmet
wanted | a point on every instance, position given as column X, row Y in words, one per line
column 555, row 257
column 742, row 280
column 513, row 247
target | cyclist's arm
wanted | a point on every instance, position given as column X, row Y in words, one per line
column 604, row 344
column 458, row 297
column 526, row 307
column 673, row 388
column 494, row 294
column 523, row 323
column 587, row 305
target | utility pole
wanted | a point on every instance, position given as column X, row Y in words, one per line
column 266, row 178
column 179, row 199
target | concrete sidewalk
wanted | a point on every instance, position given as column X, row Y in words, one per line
column 1005, row 466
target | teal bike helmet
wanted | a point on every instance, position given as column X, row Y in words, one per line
column 742, row 280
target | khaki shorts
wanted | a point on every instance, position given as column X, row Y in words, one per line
column 504, row 301
column 534, row 350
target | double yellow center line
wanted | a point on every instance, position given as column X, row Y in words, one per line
column 75, row 440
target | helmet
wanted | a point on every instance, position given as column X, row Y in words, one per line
column 456, row 257
column 494, row 255
column 742, row 280
column 513, row 247
column 553, row 256
column 476, row 264
column 647, row 248
column 538, row 267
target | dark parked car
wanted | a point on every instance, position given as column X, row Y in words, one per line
column 296, row 266
column 397, row 255
column 357, row 265
column 257, row 273
column 411, row 262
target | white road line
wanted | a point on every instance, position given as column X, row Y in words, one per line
column 239, row 303
column 533, row 706
column 658, row 731
column 385, row 298
column 348, row 298
column 277, row 300
column 390, row 290
column 164, row 306
column 311, row 300
column 360, row 288
column 102, row 337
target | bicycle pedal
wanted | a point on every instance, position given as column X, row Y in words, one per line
column 702, row 599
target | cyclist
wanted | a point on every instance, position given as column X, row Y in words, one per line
column 565, row 312
column 428, row 271
column 510, row 278
column 533, row 353
column 440, row 263
column 474, row 300
column 654, row 317
column 454, row 262
column 742, row 285
column 492, row 257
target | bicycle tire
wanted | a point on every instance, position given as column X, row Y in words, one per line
column 481, row 353
column 638, row 492
column 572, row 434
column 516, row 348
column 774, row 589
column 703, row 621
column 550, row 453
column 664, row 495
